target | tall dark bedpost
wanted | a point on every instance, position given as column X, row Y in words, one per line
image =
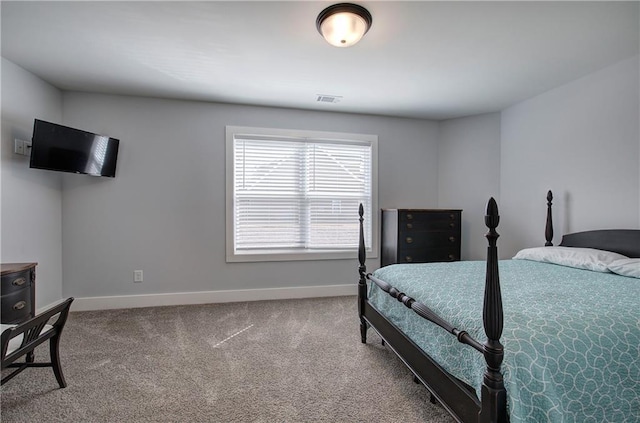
column 362, row 283
column 548, row 231
column 494, row 394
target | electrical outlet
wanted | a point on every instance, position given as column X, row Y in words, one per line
column 137, row 276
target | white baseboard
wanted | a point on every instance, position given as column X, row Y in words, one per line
column 207, row 297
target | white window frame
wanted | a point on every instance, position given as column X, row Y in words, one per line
column 292, row 255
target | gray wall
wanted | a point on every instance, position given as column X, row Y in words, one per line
column 580, row 140
column 164, row 212
column 31, row 220
column 469, row 174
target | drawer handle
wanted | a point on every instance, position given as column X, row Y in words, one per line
column 452, row 216
column 19, row 305
column 19, row 282
column 408, row 259
column 451, row 257
column 409, row 226
column 409, row 240
column 409, row 216
column 452, row 238
column 452, row 225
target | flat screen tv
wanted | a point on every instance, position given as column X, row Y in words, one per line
column 64, row 149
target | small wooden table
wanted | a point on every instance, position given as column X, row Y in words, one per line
column 18, row 292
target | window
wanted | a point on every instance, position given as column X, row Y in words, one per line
column 294, row 195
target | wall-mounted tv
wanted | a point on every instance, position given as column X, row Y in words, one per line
column 64, row 149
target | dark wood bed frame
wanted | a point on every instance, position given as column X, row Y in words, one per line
column 456, row 396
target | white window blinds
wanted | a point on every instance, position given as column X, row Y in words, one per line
column 299, row 194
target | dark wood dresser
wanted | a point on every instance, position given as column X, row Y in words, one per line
column 420, row 235
column 18, row 292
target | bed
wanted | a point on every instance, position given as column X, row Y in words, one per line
column 564, row 347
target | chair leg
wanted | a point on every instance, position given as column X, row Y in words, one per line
column 54, row 351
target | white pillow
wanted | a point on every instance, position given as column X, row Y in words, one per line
column 580, row 258
column 626, row 267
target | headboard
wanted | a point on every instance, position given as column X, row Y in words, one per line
column 621, row 241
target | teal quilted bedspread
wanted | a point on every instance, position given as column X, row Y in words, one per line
column 571, row 336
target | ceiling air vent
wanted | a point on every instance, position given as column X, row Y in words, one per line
column 323, row 98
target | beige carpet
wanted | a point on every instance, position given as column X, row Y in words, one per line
column 266, row 361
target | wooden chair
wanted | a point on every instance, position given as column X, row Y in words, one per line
column 21, row 340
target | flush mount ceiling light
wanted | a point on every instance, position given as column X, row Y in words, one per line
column 343, row 24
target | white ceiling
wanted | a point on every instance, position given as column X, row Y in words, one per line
column 420, row 59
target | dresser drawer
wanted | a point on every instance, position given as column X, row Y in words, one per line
column 422, row 216
column 427, row 255
column 16, row 306
column 429, row 239
column 428, row 221
column 437, row 225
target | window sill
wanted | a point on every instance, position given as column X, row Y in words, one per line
column 288, row 255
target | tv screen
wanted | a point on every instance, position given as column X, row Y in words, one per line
column 64, row 149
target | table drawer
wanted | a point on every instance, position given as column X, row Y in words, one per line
column 15, row 281
column 17, row 286
column 16, row 306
